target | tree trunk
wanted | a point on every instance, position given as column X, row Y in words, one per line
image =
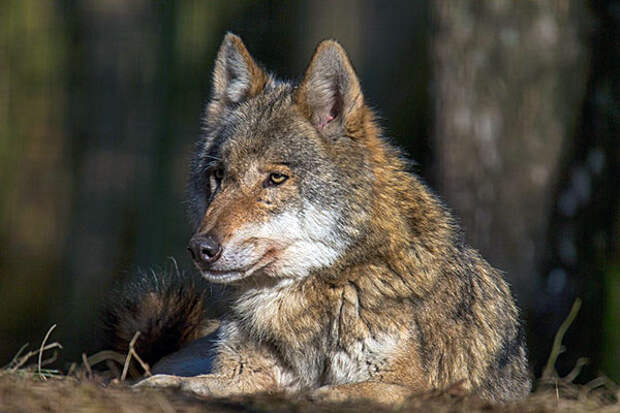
column 509, row 82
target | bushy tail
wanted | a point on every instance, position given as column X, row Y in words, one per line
column 167, row 308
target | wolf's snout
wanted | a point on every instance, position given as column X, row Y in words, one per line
column 205, row 249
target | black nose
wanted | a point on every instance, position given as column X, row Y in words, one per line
column 205, row 248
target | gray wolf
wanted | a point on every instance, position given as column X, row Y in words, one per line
column 347, row 277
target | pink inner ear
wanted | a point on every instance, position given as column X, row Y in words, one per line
column 324, row 122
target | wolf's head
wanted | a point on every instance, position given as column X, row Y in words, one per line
column 282, row 176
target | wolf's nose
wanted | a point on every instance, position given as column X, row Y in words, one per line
column 205, row 249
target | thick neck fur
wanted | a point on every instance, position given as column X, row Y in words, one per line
column 394, row 260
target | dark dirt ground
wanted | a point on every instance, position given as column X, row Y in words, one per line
column 26, row 391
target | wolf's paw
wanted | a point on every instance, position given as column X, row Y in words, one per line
column 161, row 380
column 328, row 394
column 204, row 385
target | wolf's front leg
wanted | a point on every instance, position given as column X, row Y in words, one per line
column 240, row 367
column 213, row 385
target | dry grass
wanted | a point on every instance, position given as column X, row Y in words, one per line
column 25, row 391
column 27, row 385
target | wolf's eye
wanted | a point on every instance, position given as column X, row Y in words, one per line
column 218, row 174
column 215, row 178
column 275, row 179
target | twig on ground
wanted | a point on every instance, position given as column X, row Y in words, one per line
column 72, row 368
column 557, row 348
column 41, row 350
column 109, row 356
column 128, row 357
column 23, row 359
column 572, row 375
column 106, row 355
column 15, row 357
column 132, row 353
column 145, row 366
column 601, row 381
column 50, row 359
column 89, row 370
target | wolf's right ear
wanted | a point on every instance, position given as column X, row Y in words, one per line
column 236, row 76
column 330, row 95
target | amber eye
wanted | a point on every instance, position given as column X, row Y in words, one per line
column 276, row 178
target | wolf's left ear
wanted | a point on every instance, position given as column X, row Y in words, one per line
column 330, row 95
column 236, row 76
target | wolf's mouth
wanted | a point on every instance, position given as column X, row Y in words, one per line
column 232, row 275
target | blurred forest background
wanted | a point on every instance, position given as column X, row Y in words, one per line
column 510, row 108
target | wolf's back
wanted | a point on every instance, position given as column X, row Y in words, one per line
column 167, row 308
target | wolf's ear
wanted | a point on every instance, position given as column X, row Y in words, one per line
column 330, row 95
column 236, row 76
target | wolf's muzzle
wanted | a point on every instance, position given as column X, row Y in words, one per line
column 205, row 249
